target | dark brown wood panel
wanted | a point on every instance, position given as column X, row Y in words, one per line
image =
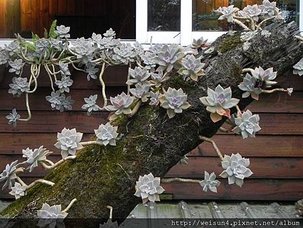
column 271, row 168
column 261, row 146
column 275, row 190
column 53, row 122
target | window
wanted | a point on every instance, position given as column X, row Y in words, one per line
column 197, row 18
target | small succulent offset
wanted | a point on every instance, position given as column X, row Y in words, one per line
column 107, row 134
column 13, row 117
column 34, row 157
column 141, row 91
column 63, row 32
column 235, row 169
column 191, row 67
column 251, row 11
column 218, row 102
column 298, row 68
column 9, row 175
column 68, row 141
column 91, row 104
column 121, row 104
column 209, row 182
column 227, row 12
column 148, row 188
column 175, row 101
column 59, row 101
column 167, row 56
column 18, row 86
column 64, row 84
column 18, row 190
column 247, row 124
column 16, row 66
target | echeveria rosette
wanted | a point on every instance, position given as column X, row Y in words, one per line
column 121, row 104
column 148, row 188
column 68, row 141
column 175, row 101
column 106, row 134
column 16, row 66
column 18, row 190
column 9, row 175
column 218, row 102
column 235, row 169
column 138, row 75
column 49, row 216
column 167, row 56
column 36, row 156
column 63, row 32
column 298, row 68
column 141, row 91
column 247, row 124
column 251, row 11
column 209, row 182
column 259, row 79
column 228, row 13
column 91, row 104
column 18, row 86
column 191, row 67
column 13, row 117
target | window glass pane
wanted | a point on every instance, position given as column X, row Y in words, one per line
column 164, row 15
column 204, row 17
column 83, row 16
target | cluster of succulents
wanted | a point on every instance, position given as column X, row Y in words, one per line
column 148, row 188
column 235, row 169
column 251, row 17
column 255, row 82
column 218, row 102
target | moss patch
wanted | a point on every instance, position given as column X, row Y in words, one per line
column 230, row 43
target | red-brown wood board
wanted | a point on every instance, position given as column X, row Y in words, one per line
column 276, row 154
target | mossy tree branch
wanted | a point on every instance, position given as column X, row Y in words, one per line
column 102, row 176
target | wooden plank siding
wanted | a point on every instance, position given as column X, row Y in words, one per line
column 276, row 154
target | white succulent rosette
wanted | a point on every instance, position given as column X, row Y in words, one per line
column 120, row 104
column 235, row 169
column 247, row 124
column 148, row 188
column 209, row 182
column 175, row 101
column 106, row 134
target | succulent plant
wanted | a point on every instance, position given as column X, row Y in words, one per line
column 91, row 104
column 63, row 32
column 199, row 43
column 120, row 104
column 124, row 53
column 191, row 67
column 13, row 117
column 83, row 49
column 227, row 13
column 4, row 56
column 107, row 134
column 209, row 182
column 16, row 66
column 154, row 98
column 218, row 102
column 64, row 84
column 259, row 79
column 110, row 33
column 298, row 68
column 59, row 101
column 175, row 101
column 51, row 216
column 18, row 190
column 109, row 224
column 138, row 75
column 148, row 188
column 91, row 70
column 64, row 70
column 248, row 86
column 269, row 8
column 251, row 11
column 167, row 56
column 141, row 91
column 34, row 157
column 18, row 86
column 247, row 124
column 235, row 169
column 68, row 141
column 157, row 78
column 8, row 175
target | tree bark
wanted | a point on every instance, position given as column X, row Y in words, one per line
column 151, row 142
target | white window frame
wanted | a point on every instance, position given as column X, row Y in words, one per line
column 185, row 35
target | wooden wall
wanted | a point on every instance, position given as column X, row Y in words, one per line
column 276, row 153
column 85, row 16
